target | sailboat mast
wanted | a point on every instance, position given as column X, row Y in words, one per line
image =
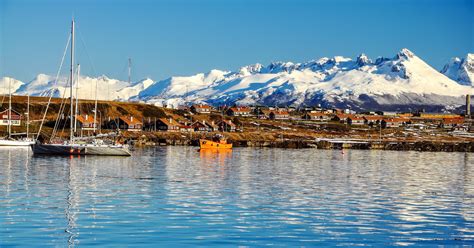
column 76, row 112
column 95, row 109
column 9, row 107
column 71, row 79
column 28, row 117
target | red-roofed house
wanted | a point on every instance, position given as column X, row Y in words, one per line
column 86, row 122
column 226, row 126
column 15, row 118
column 355, row 120
column 201, row 108
column 449, row 123
column 167, row 124
column 394, row 122
column 239, row 111
column 130, row 123
column 318, row 116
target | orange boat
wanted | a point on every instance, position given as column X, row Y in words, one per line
column 209, row 144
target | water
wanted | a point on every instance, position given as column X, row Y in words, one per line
column 176, row 196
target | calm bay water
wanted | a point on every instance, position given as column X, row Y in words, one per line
column 249, row 197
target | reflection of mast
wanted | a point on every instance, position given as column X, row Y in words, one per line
column 71, row 204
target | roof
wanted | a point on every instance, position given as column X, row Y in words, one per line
column 397, row 120
column 167, row 122
column 341, row 116
column 453, row 121
column 228, row 122
column 240, row 109
column 317, row 114
column 356, row 118
column 130, row 120
column 203, row 106
column 280, row 112
column 373, row 117
column 6, row 112
column 85, row 119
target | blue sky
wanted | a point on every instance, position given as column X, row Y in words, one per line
column 184, row 37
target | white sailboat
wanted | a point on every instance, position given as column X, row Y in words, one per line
column 9, row 140
column 74, row 146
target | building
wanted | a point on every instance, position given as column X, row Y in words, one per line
column 86, row 122
column 201, row 109
column 239, row 111
column 226, row 126
column 372, row 120
column 273, row 114
column 200, row 126
column 186, row 128
column 355, row 120
column 167, row 124
column 15, row 118
column 316, row 116
column 394, row 122
column 212, row 127
column 130, row 123
column 450, row 123
column 342, row 117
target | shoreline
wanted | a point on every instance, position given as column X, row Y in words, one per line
column 324, row 143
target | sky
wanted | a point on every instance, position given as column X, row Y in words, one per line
column 183, row 37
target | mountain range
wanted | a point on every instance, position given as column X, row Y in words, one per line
column 399, row 83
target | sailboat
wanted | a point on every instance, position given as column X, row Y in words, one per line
column 72, row 146
column 9, row 141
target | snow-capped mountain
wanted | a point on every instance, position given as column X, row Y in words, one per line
column 399, row 83
column 8, row 84
column 107, row 89
column 461, row 70
column 404, row 81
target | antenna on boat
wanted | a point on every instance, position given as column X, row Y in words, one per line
column 71, row 80
column 129, row 70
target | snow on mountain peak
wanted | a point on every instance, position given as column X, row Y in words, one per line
column 405, row 54
column 362, row 60
column 461, row 70
column 404, row 80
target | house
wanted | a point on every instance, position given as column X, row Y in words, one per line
column 372, row 120
column 167, row 124
column 450, row 123
column 226, row 126
column 15, row 118
column 355, row 120
column 341, row 117
column 130, row 123
column 212, row 127
column 201, row 109
column 86, row 122
column 186, row 128
column 394, row 122
column 199, row 126
column 239, row 111
column 316, row 116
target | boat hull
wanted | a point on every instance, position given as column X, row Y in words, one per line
column 208, row 144
column 103, row 150
column 15, row 142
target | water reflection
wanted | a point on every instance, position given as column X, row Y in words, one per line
column 248, row 197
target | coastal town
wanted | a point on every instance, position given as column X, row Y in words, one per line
column 145, row 125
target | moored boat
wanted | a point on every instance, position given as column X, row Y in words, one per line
column 217, row 143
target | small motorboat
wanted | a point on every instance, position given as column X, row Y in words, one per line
column 218, row 142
